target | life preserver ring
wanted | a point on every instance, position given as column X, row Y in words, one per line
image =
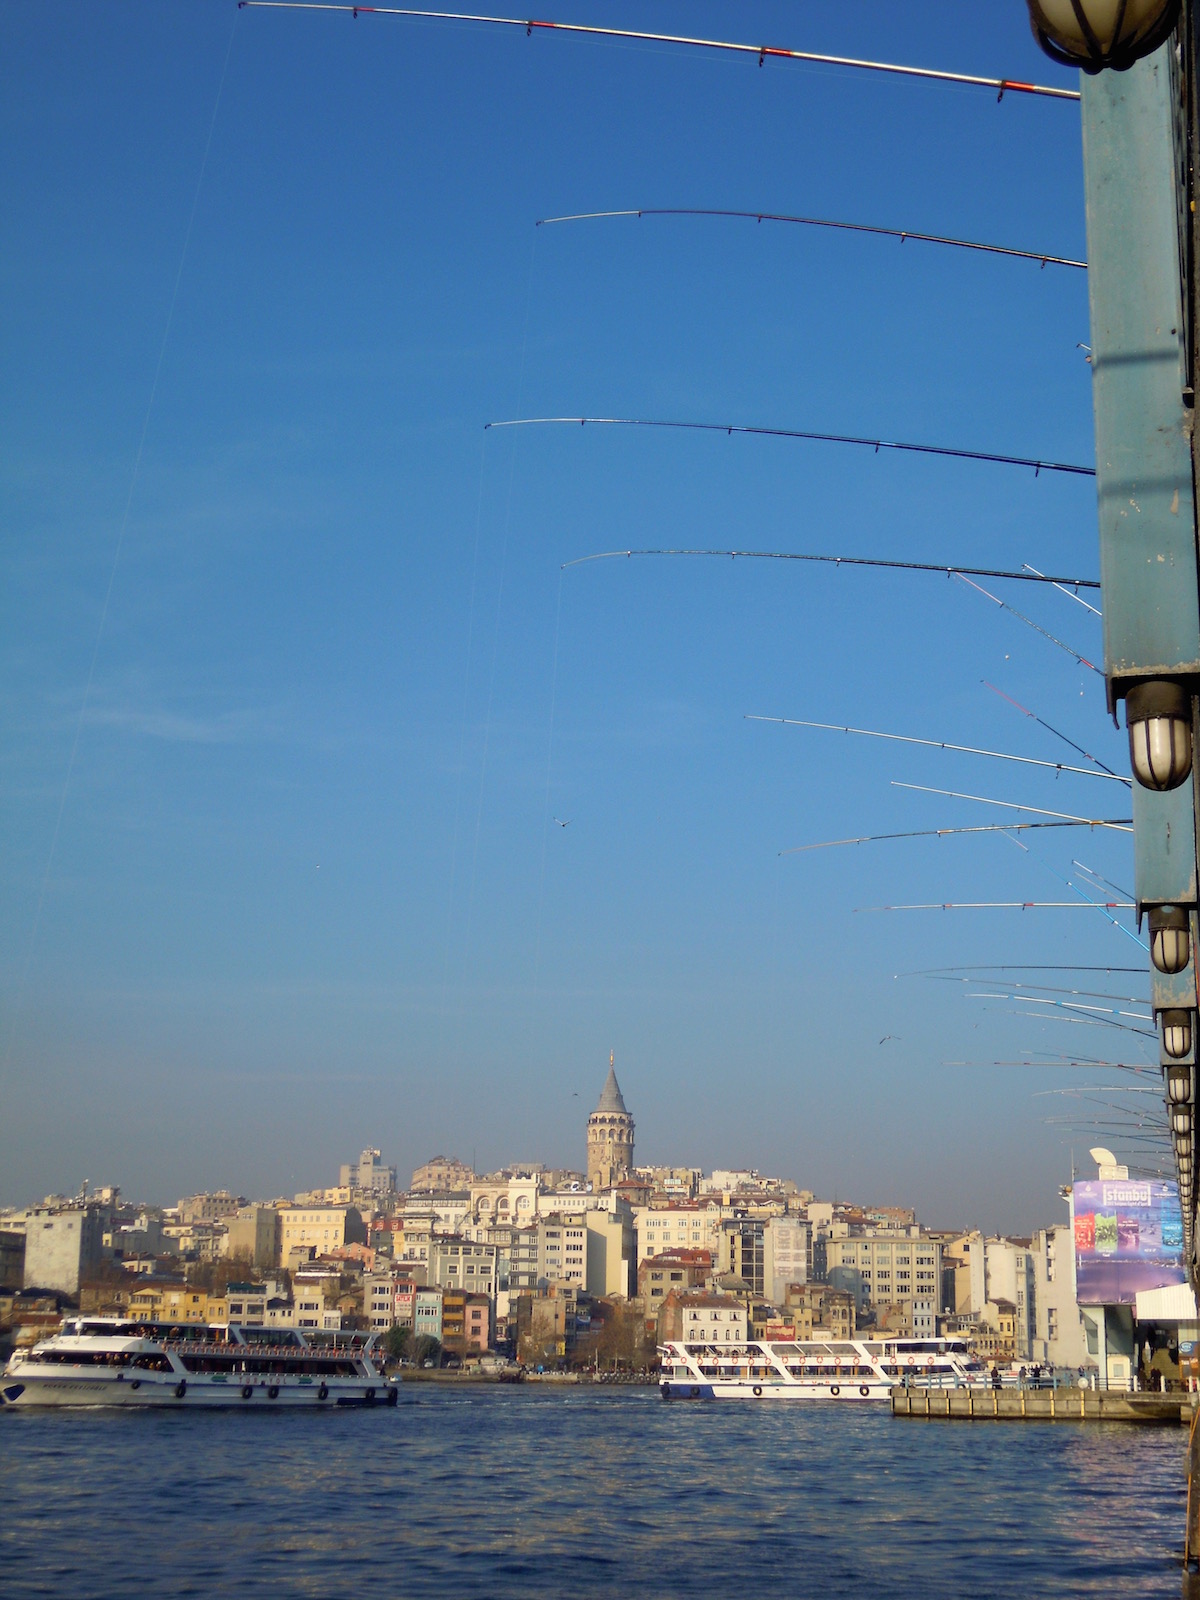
column 912, row 1361
column 930, row 1362
column 758, row 1391
column 864, row 1390
column 834, row 1390
column 181, row 1389
column 247, row 1391
column 273, row 1392
column 323, row 1392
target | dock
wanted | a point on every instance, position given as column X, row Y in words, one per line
column 1042, row 1405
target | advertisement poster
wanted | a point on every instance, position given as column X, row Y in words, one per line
column 1128, row 1237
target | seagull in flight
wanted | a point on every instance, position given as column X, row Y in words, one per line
column 563, row 824
column 888, row 1036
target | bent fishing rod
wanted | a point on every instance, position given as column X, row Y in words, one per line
column 1041, row 256
column 1024, row 576
column 764, row 52
column 1038, row 466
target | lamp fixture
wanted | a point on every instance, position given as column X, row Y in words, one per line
column 1094, row 34
column 1181, row 1119
column 1170, row 938
column 1176, row 1032
column 1179, row 1086
column 1158, row 714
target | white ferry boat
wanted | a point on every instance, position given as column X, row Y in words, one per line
column 842, row 1370
column 104, row 1361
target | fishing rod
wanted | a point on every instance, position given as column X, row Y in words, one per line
column 939, row 744
column 1053, row 988
column 1006, row 905
column 1100, row 881
column 1029, row 623
column 930, row 833
column 902, row 234
column 1067, row 592
column 799, row 433
column 764, row 52
column 1078, row 748
column 841, row 561
column 1025, row 966
column 1120, row 824
column 1065, row 1005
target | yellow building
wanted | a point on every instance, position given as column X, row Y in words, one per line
column 178, row 1304
column 319, row 1229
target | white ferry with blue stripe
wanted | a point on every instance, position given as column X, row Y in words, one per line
column 102, row 1361
column 839, row 1370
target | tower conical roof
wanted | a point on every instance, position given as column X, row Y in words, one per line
column 610, row 1096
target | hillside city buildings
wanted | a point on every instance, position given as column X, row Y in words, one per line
column 552, row 1265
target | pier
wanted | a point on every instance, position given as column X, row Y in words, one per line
column 1042, row 1405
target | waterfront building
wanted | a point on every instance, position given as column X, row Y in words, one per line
column 466, row 1323
column 545, row 1323
column 562, row 1251
column 1060, row 1339
column 700, row 1316
column 609, row 1137
column 427, row 1312
column 441, row 1174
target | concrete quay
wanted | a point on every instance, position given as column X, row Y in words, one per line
column 1042, row 1405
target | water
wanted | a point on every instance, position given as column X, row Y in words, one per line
column 499, row 1492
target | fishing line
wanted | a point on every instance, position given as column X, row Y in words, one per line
column 1016, row 704
column 120, row 543
column 1029, row 623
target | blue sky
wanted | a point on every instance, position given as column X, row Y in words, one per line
column 285, row 879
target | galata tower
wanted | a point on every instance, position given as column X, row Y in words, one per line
column 609, row 1137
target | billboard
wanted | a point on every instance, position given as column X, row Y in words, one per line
column 1128, row 1237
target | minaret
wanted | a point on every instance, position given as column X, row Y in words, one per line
column 609, row 1137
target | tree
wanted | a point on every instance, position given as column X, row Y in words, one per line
column 426, row 1348
column 396, row 1342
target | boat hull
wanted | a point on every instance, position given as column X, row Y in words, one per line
column 834, row 1393
column 29, row 1388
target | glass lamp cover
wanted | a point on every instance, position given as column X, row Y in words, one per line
column 1100, row 33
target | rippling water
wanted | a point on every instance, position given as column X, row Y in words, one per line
column 504, row 1491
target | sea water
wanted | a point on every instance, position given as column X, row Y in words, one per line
column 470, row 1491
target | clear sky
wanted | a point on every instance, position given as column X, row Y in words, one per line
column 295, row 687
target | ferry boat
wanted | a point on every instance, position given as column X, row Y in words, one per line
column 818, row 1369
column 105, row 1361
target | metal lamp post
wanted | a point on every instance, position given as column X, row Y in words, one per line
column 1137, row 136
